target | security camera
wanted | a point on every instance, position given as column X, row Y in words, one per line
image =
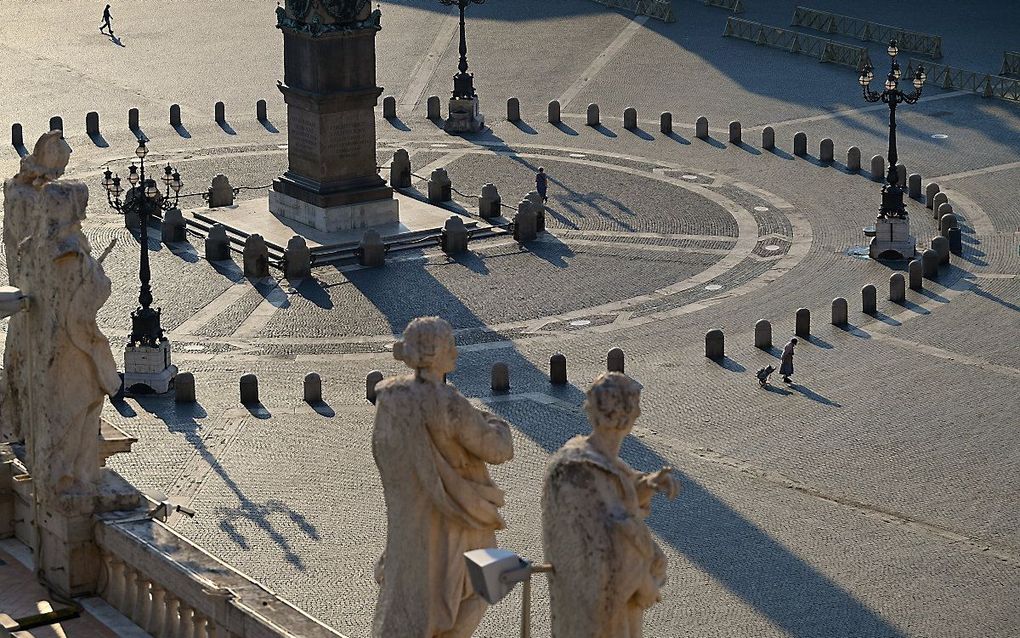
column 494, row 572
column 12, row 300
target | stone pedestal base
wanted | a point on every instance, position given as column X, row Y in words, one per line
column 68, row 559
column 464, row 116
column 892, row 240
column 335, row 218
column 149, row 367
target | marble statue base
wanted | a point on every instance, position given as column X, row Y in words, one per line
column 334, row 219
column 149, row 367
column 464, row 116
column 892, row 240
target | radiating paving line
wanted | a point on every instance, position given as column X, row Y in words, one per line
column 227, row 298
column 423, row 73
column 976, row 172
column 603, row 59
column 864, row 109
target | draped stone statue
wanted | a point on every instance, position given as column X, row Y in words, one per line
column 432, row 446
column 607, row 568
column 59, row 365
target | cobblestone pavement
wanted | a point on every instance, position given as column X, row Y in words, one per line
column 874, row 496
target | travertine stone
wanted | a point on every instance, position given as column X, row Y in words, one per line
column 892, row 239
column 313, row 388
column 701, row 128
column 666, row 122
column 937, row 200
column 554, row 112
column 440, row 186
column 593, row 115
column 220, row 113
column 173, row 229
column 489, row 202
column 955, row 238
column 464, row 116
column 389, row 107
column 537, row 205
column 432, row 448
column 513, row 110
column 914, row 274
column 454, row 238
column 897, row 288
column 930, row 264
column 914, row 186
column 630, row 118
column 930, row 191
column 803, row 322
column 853, row 159
column 615, row 360
column 261, row 111
column 941, row 247
column 607, row 566
column 17, row 135
column 947, row 220
column 217, row 246
column 184, row 388
column 400, row 169
column 839, row 312
column 800, row 144
column 371, row 382
column 433, row 106
column 255, row 257
column 826, row 152
column 735, row 134
column 715, row 344
column 133, row 120
column 56, row 123
column 877, row 168
column 763, row 334
column 869, row 299
column 500, row 381
column 525, row 222
column 558, row 369
column 249, row 389
column 221, row 193
column 297, row 259
column 768, row 138
column 901, row 175
column 92, row 123
column 371, row 250
column 175, row 115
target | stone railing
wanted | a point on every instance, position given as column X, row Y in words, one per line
column 170, row 587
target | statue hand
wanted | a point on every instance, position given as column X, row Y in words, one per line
column 663, row 481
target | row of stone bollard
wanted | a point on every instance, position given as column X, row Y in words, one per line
column 500, row 374
column 248, row 388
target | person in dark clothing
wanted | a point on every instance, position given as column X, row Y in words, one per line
column 107, row 21
column 786, row 369
column 542, row 183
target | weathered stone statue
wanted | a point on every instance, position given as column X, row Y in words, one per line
column 432, row 446
column 607, row 568
column 59, row 365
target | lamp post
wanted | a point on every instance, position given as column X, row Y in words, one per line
column 464, row 115
column 892, row 191
column 146, row 340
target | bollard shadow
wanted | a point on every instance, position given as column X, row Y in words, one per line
column 398, row 124
column 269, row 126
column 780, row 153
column 121, row 406
column 471, row 261
column 984, row 294
column 814, row 396
column 228, row 269
column 815, row 340
column 855, row 331
column 22, row 151
column 311, row 289
column 182, row 131
column 776, row 390
column 643, row 134
column 910, row 305
column 258, row 410
column 184, row 251
column 549, row 248
column 601, row 128
column 98, row 139
column 323, row 409
column 679, row 139
column 728, row 364
column 711, row 141
column 524, row 127
column 934, row 296
column 886, row 319
column 565, row 128
column 744, row 146
column 226, row 128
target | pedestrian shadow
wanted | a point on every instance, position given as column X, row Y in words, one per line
column 815, row 340
column 524, row 127
column 565, row 128
column 116, row 41
column 679, row 139
column 643, row 134
column 98, row 139
column 814, row 396
column 398, row 124
column 227, row 128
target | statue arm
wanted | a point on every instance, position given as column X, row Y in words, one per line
column 483, row 434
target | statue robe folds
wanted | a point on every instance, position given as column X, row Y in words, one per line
column 607, row 567
column 431, row 446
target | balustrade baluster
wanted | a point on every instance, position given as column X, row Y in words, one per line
column 115, row 585
column 171, row 619
column 154, row 620
column 187, row 622
column 140, row 610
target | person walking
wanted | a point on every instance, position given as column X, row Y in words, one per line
column 107, row 21
column 786, row 369
column 542, row 183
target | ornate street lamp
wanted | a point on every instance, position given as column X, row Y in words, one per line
column 147, row 359
column 892, row 191
column 464, row 115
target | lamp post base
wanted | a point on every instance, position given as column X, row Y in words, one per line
column 147, row 369
column 464, row 116
column 892, row 239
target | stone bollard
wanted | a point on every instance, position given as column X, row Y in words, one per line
column 525, row 222
column 489, row 202
column 901, row 175
column 261, row 112
column 897, row 288
column 930, row 191
column 92, row 123
column 839, row 311
column 432, row 106
column 800, row 144
column 454, row 238
column 763, row 334
column 371, row 250
column 172, row 228
column 715, row 344
column 768, row 138
column 869, row 300
column 297, row 259
column 220, row 113
column 593, row 115
column 217, row 246
column 877, row 168
column 133, row 120
column 914, row 186
column 175, row 115
column 389, row 107
column 666, row 122
column 947, row 221
column 701, row 128
column 939, row 199
column 955, row 238
column 313, row 388
column 538, row 206
column 914, row 274
column 500, row 377
column 554, row 112
column 826, row 151
column 56, row 123
column 255, row 257
column 249, row 389
column 615, row 360
column 17, row 135
column 941, row 247
column 440, row 186
column 184, row 388
column 372, row 380
column 221, row 193
column 735, row 136
column 558, row 369
column 930, row 264
column 942, row 211
column 513, row 110
column 400, row 169
column 853, row 159
column 630, row 118
column 803, row 323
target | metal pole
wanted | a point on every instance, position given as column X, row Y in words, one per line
column 463, row 66
column 893, row 158
column 526, row 609
column 145, row 292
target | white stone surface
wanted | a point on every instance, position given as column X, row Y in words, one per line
column 149, row 366
column 464, row 116
column 335, row 218
column 893, row 234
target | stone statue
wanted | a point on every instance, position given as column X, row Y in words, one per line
column 431, row 446
column 607, row 568
column 60, row 367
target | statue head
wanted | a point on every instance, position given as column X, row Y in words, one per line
column 427, row 344
column 613, row 402
column 47, row 161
